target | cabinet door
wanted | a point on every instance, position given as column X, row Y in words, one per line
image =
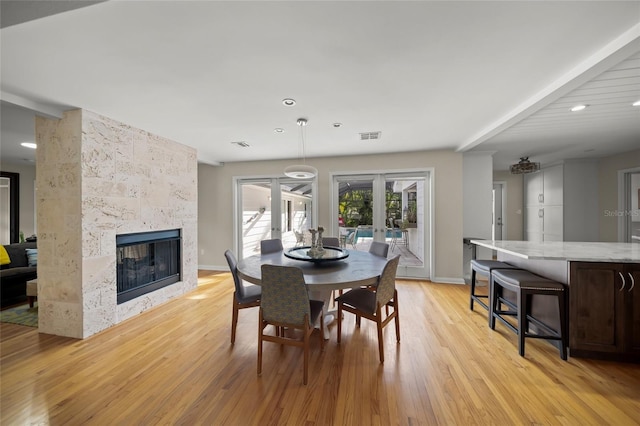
column 553, row 223
column 533, row 189
column 533, row 218
column 552, row 185
column 596, row 306
column 632, row 317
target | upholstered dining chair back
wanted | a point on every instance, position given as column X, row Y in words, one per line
column 233, row 266
column 330, row 242
column 387, row 281
column 243, row 297
column 364, row 303
column 379, row 249
column 270, row 246
column 286, row 305
column 284, row 295
column 351, row 239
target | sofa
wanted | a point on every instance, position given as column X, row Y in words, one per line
column 14, row 275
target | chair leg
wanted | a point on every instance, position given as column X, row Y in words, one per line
column 234, row 319
column 339, row 322
column 322, row 331
column 397, row 314
column 333, row 296
column 380, row 338
column 473, row 288
column 522, row 320
column 564, row 329
column 260, row 331
column 307, row 331
column 494, row 291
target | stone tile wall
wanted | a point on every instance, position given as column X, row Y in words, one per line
column 97, row 178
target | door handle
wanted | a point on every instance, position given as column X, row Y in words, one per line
column 633, row 282
column 540, row 213
column 623, row 282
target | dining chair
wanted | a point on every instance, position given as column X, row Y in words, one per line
column 351, row 239
column 299, row 238
column 330, row 242
column 363, row 302
column 270, row 246
column 379, row 249
column 393, row 230
column 243, row 296
column 285, row 304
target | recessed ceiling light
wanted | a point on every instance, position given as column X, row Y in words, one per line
column 578, row 108
column 636, row 103
column 288, row 102
column 337, row 124
column 29, row 145
column 278, row 130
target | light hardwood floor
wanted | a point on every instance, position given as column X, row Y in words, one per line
column 175, row 365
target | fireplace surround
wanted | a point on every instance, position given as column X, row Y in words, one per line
column 146, row 262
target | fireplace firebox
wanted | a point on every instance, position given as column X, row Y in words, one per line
column 146, row 262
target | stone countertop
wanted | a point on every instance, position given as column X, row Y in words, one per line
column 569, row 251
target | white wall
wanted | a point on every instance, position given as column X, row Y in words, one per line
column 580, row 200
column 478, row 197
column 608, row 191
column 215, row 233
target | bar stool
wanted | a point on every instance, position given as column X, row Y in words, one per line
column 484, row 268
column 525, row 284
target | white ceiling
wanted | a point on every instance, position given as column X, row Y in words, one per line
column 482, row 76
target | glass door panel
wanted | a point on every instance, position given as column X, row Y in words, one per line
column 408, row 210
column 355, row 211
column 273, row 208
column 387, row 207
column 255, row 216
column 296, row 212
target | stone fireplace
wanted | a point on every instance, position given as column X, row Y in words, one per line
column 146, row 262
column 96, row 179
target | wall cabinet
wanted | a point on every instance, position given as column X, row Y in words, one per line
column 605, row 310
column 544, row 205
column 561, row 202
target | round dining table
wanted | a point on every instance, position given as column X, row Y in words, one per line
column 360, row 268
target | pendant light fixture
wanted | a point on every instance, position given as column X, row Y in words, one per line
column 524, row 166
column 301, row 171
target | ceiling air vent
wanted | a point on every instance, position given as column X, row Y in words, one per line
column 369, row 136
column 241, row 144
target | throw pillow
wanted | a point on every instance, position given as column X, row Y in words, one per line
column 4, row 256
column 32, row 257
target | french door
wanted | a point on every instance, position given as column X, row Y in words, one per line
column 388, row 207
column 272, row 207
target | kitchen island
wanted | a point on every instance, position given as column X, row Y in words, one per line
column 604, row 291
